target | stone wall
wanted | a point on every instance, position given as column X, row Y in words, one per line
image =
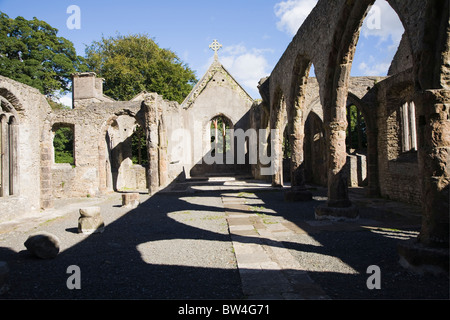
column 90, row 124
column 216, row 94
column 31, row 185
column 398, row 176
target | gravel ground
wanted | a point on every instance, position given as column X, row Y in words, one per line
column 177, row 246
column 337, row 255
column 167, row 248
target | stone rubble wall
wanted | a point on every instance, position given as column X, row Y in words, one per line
column 30, row 109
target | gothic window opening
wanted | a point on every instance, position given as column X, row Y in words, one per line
column 63, row 144
column 220, row 135
column 287, row 149
column 139, row 147
column 356, row 130
column 409, row 134
column 8, row 153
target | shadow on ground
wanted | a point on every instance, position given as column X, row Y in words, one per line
column 113, row 267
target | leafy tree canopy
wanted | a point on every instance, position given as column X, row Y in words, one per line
column 135, row 63
column 32, row 53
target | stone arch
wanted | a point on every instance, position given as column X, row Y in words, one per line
column 367, row 158
column 219, row 129
column 7, row 107
column 314, row 150
column 113, row 151
column 295, row 122
column 223, row 153
column 10, row 101
column 427, row 30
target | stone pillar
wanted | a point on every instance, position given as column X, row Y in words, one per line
column 46, row 175
column 13, row 158
column 4, row 157
column 298, row 191
column 338, row 205
column 151, row 129
column 432, row 245
column 277, row 157
column 162, row 155
column 277, row 114
column 130, row 200
column 337, row 158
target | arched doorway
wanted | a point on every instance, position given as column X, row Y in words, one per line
column 356, row 143
column 123, row 155
column 314, row 146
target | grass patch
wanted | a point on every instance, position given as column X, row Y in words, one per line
column 245, row 194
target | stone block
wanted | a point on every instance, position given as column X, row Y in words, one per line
column 89, row 211
column 90, row 221
column 43, row 245
column 130, row 200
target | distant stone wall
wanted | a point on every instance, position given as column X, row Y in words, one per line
column 89, row 125
column 398, row 170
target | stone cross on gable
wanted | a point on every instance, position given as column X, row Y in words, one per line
column 216, row 47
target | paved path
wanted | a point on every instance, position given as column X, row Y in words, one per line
column 267, row 268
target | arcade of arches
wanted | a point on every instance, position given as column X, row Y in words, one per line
column 389, row 134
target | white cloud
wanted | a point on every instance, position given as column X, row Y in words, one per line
column 66, row 100
column 374, row 69
column 247, row 66
column 383, row 22
column 292, row 14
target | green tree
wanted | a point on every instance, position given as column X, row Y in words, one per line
column 32, row 53
column 135, row 63
column 63, row 145
column 356, row 129
column 139, row 147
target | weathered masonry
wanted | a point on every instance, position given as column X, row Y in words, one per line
column 177, row 137
column 407, row 113
column 403, row 152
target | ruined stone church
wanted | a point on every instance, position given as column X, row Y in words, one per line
column 406, row 114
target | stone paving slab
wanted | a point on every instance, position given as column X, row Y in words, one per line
column 267, row 269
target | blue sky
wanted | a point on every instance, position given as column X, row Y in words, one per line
column 254, row 33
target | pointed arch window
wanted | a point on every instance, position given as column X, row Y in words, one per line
column 409, row 135
column 8, row 154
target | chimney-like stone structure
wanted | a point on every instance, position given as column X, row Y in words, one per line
column 87, row 88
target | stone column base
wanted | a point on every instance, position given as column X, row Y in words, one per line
column 90, row 221
column 297, row 195
column 323, row 212
column 130, row 200
column 419, row 258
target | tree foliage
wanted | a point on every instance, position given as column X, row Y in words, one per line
column 63, row 145
column 356, row 129
column 135, row 63
column 32, row 53
column 139, row 147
